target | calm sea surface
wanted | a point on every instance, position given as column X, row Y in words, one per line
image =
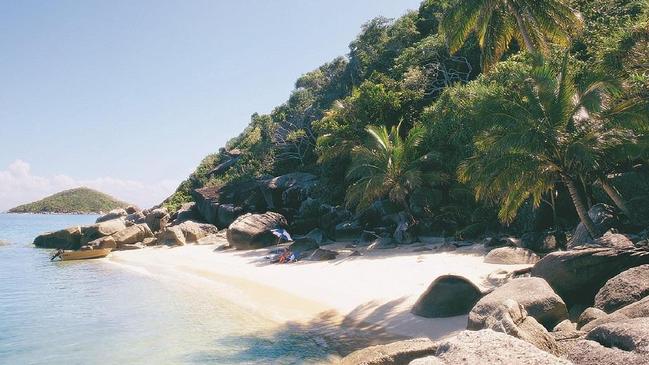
column 96, row 312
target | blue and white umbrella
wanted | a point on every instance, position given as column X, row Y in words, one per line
column 282, row 234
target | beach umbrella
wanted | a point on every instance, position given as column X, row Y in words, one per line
column 282, row 234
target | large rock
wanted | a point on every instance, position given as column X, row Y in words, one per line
column 252, row 231
column 636, row 310
column 104, row 242
column 512, row 319
column 136, row 217
column 613, row 240
column 288, row 191
column 491, row 347
column 157, row 219
column 511, row 256
column 193, row 231
column 565, row 326
column 133, row 234
column 171, row 236
column 69, row 239
column 207, row 204
column 543, row 241
column 588, row 315
column 447, row 296
column 629, row 335
column 603, row 216
column 534, row 294
column 304, row 244
column 187, row 212
column 585, row 352
column 227, row 213
column 625, row 288
column 236, row 199
column 347, row 231
column 113, row 214
column 102, row 229
column 577, row 275
column 394, row 353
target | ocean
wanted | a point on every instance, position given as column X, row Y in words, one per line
column 97, row 312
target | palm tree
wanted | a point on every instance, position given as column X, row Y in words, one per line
column 497, row 22
column 546, row 135
column 389, row 166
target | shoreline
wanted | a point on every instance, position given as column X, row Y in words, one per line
column 352, row 302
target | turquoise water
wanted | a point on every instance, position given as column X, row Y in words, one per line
column 96, row 312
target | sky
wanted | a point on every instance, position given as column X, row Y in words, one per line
column 128, row 96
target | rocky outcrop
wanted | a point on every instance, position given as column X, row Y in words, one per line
column 104, row 242
column 171, row 236
column 151, row 241
column 193, row 231
column 635, row 310
column 347, row 231
column 221, row 205
column 585, row 352
column 543, row 241
column 136, row 217
column 613, row 240
column 252, row 231
column 512, row 319
column 511, row 256
column 187, row 212
column 113, row 214
column 577, row 275
column 133, row 234
column 447, row 296
column 628, row 335
column 625, row 288
column 394, row 353
column 157, row 219
column 288, row 191
column 102, row 229
column 301, row 245
column 565, row 326
column 534, row 294
column 490, row 347
column 69, row 239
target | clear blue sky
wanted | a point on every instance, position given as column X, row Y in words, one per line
column 138, row 92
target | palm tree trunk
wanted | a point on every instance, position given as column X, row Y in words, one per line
column 579, row 206
column 615, row 197
column 553, row 202
column 523, row 29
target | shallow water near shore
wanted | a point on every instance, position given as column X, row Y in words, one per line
column 97, row 312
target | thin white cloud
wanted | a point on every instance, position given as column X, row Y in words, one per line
column 18, row 185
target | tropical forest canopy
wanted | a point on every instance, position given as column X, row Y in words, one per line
column 467, row 114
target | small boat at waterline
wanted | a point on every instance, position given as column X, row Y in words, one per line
column 81, row 255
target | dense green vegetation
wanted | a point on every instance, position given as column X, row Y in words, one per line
column 476, row 112
column 79, row 200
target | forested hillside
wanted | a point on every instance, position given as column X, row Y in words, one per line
column 466, row 117
column 79, row 200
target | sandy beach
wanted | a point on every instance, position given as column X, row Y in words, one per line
column 343, row 299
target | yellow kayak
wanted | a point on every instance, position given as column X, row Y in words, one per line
column 83, row 255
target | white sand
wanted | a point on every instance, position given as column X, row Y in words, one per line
column 370, row 292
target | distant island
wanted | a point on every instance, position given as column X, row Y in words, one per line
column 79, row 200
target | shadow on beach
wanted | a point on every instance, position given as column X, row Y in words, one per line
column 323, row 339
